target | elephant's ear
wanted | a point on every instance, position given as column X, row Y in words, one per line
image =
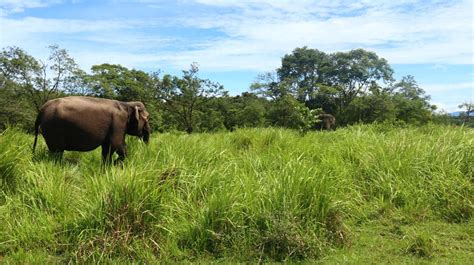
column 137, row 115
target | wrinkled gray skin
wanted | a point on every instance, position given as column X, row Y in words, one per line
column 328, row 122
column 85, row 123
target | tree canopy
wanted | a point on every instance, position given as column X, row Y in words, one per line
column 354, row 86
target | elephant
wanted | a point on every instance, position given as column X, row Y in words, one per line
column 328, row 122
column 79, row 123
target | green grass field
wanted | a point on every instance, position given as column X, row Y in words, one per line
column 363, row 194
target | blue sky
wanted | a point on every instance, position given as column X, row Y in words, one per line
column 234, row 41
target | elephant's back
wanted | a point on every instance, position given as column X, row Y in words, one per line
column 82, row 113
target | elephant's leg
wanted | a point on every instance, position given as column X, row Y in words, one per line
column 122, row 153
column 107, row 153
column 120, row 147
column 327, row 126
column 117, row 143
column 55, row 150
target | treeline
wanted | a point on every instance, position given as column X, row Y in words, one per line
column 355, row 86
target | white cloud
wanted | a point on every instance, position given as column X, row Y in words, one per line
column 88, row 41
column 442, row 107
column 16, row 6
column 259, row 32
column 448, row 96
column 449, row 87
column 426, row 34
column 33, row 25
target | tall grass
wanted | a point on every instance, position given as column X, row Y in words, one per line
column 251, row 195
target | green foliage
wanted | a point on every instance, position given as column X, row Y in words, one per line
column 356, row 71
column 246, row 110
column 308, row 118
column 411, row 102
column 252, row 115
column 267, row 195
column 466, row 114
column 347, row 85
column 37, row 80
column 286, row 112
column 289, row 113
column 304, row 69
column 355, row 86
column 372, row 108
column 118, row 82
column 209, row 120
column 15, row 110
column 17, row 69
column 184, row 95
column 27, row 83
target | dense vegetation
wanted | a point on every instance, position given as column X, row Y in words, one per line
column 398, row 189
column 365, row 193
column 355, row 86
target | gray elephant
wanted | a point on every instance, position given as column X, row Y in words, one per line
column 328, row 122
column 84, row 123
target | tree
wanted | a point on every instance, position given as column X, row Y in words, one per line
column 469, row 108
column 353, row 73
column 377, row 107
column 327, row 81
column 269, row 85
column 183, row 96
column 252, row 114
column 245, row 110
column 209, row 119
column 26, row 83
column 288, row 112
column 412, row 104
column 37, row 80
column 14, row 109
column 303, row 70
column 15, row 65
column 118, row 82
column 327, row 98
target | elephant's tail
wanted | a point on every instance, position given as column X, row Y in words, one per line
column 37, row 124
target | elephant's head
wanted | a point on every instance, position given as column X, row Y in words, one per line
column 138, row 123
column 328, row 121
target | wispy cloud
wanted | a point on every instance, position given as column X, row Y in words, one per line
column 449, row 95
column 16, row 6
column 82, row 36
column 451, row 87
column 255, row 34
column 404, row 32
column 33, row 25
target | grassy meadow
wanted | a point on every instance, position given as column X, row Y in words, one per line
column 367, row 193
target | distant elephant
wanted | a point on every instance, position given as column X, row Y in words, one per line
column 83, row 123
column 328, row 122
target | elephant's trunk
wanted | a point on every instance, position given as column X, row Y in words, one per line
column 146, row 133
column 146, row 137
